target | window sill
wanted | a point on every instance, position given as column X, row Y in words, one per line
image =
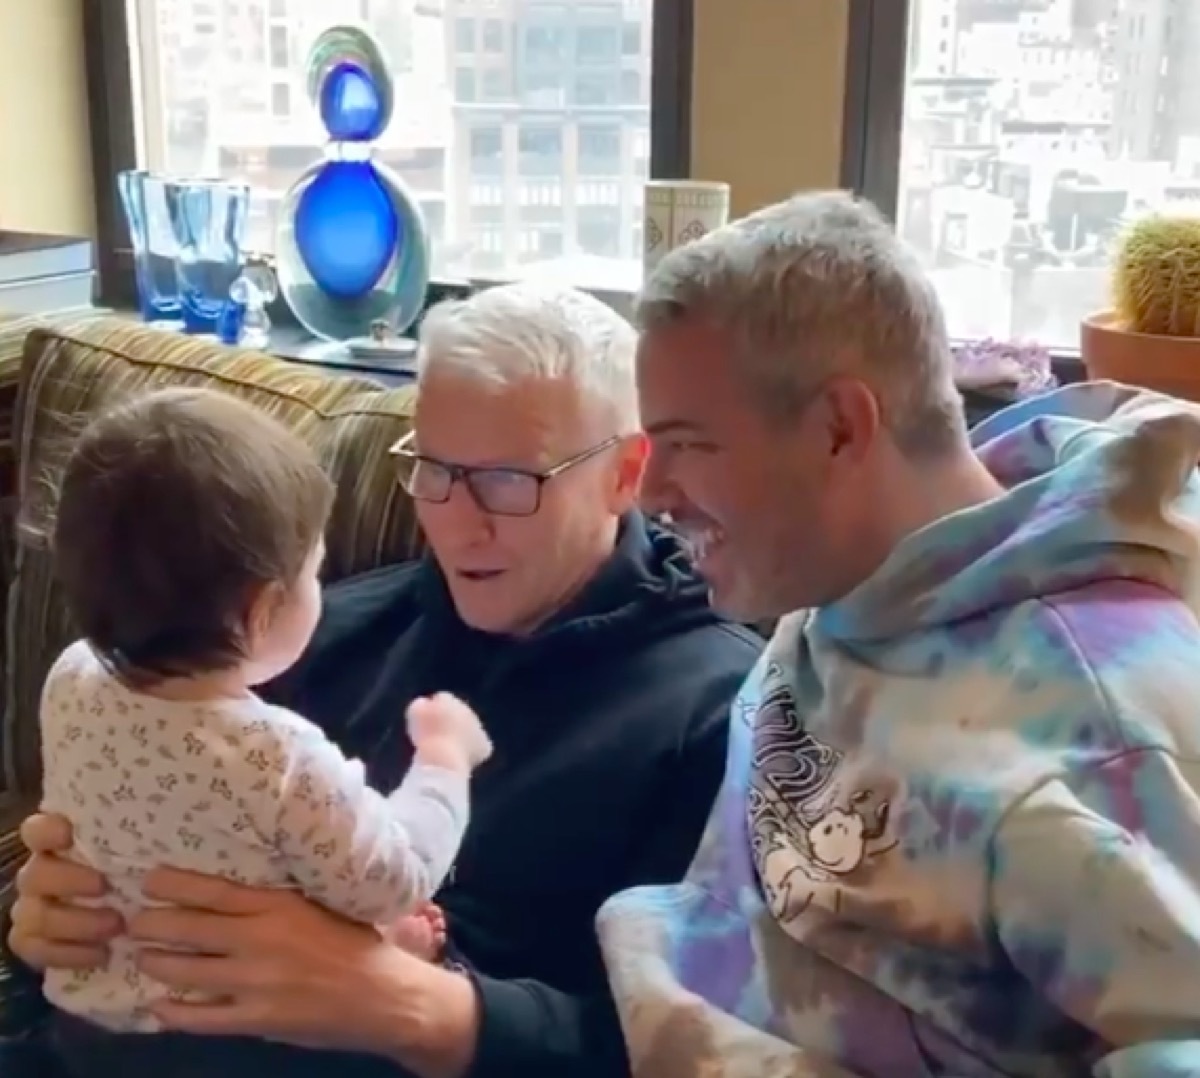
column 291, row 341
column 615, row 282
column 616, row 286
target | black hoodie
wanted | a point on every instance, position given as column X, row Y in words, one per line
column 609, row 726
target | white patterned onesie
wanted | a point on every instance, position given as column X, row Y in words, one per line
column 233, row 788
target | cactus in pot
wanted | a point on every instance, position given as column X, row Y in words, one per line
column 1156, row 276
column 1151, row 336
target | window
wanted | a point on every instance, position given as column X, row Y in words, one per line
column 487, row 194
column 487, row 214
column 434, row 210
column 597, row 88
column 1030, row 132
column 600, row 231
column 464, row 34
column 487, row 150
column 220, row 87
column 488, row 249
column 544, row 44
column 541, row 89
column 541, row 243
column 495, row 84
column 280, row 57
column 541, row 194
column 281, row 100
column 631, row 87
column 464, row 84
column 599, row 149
column 598, row 44
column 590, row 193
column 631, row 38
column 493, row 35
column 550, row 242
column 641, row 152
column 540, row 150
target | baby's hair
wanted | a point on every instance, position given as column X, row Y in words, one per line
column 174, row 510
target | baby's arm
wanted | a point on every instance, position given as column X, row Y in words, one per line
column 369, row 857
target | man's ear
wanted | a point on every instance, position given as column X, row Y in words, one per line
column 632, row 453
column 852, row 417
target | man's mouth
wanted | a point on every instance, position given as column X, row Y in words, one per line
column 478, row 575
column 703, row 538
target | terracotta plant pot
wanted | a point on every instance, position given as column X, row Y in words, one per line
column 1165, row 364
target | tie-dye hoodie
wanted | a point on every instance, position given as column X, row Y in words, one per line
column 960, row 828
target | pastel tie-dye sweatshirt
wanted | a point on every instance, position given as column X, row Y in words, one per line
column 960, row 828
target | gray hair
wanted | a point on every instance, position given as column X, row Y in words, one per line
column 814, row 286
column 535, row 330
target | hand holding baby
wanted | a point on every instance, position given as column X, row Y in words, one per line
column 447, row 733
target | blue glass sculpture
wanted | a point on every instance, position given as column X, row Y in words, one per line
column 353, row 248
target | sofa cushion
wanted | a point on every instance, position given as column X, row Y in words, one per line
column 14, row 329
column 68, row 376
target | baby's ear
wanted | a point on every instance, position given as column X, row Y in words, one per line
column 260, row 613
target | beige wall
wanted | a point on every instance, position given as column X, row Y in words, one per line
column 767, row 96
column 767, row 104
column 45, row 158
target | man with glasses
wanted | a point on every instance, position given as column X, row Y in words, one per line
column 580, row 634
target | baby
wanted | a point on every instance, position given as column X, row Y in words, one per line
column 188, row 542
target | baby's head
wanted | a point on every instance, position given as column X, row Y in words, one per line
column 188, row 538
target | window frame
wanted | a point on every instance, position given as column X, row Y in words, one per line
column 111, row 113
column 873, row 108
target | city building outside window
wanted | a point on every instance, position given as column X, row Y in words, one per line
column 1030, row 132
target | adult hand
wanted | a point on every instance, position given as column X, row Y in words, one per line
column 283, row 968
column 47, row 930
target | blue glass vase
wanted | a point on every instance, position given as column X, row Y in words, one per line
column 146, row 201
column 210, row 226
column 353, row 248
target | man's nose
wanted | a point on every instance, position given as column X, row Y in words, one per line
column 659, row 493
column 463, row 513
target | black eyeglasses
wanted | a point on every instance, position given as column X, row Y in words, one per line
column 506, row 492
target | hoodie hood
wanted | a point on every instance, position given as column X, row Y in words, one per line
column 1101, row 485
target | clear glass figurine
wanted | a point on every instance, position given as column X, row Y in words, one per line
column 252, row 291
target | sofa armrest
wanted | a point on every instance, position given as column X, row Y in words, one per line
column 21, row 1001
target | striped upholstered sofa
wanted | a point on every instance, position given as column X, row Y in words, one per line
column 52, row 378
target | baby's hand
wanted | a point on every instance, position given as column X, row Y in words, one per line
column 446, row 732
column 422, row 932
